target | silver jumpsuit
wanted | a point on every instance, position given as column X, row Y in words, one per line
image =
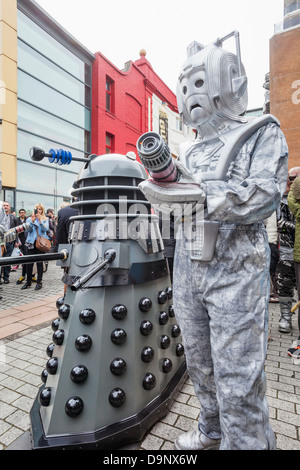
column 222, row 305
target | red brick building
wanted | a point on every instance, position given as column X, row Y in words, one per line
column 285, row 78
column 122, row 103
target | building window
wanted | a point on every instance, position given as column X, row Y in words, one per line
column 109, row 143
column 54, row 110
column 109, row 95
column 9, row 196
column 179, row 126
column 291, row 21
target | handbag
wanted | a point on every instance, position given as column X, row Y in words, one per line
column 42, row 243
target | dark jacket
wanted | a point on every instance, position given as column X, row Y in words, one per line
column 12, row 221
column 22, row 235
column 286, row 225
column 63, row 224
column 294, row 204
column 169, row 243
column 9, row 245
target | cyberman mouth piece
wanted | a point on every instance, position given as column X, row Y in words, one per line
column 195, row 106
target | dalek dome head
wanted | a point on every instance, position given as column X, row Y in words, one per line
column 113, row 164
column 104, row 181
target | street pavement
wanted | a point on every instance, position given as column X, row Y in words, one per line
column 25, row 333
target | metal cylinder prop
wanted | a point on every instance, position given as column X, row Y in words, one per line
column 156, row 157
column 116, row 359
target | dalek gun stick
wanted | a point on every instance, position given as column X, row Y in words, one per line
column 27, row 259
column 156, row 157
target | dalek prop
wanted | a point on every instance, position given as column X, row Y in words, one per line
column 116, row 359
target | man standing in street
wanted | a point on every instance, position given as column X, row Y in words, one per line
column 9, row 221
column 22, row 238
column 63, row 227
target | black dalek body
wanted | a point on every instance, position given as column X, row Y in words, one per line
column 115, row 359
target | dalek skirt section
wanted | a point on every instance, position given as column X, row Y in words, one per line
column 115, row 358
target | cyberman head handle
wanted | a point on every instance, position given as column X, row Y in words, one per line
column 224, row 88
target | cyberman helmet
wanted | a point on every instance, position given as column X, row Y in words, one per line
column 212, row 78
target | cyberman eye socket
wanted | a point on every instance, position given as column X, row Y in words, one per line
column 184, row 90
column 199, row 83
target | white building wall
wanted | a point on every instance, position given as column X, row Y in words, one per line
column 177, row 132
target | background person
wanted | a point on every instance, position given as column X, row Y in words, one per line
column 272, row 231
column 286, row 278
column 39, row 225
column 63, row 223
column 52, row 228
column 294, row 205
column 63, row 228
column 22, row 238
column 9, row 221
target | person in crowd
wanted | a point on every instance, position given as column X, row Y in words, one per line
column 52, row 226
column 63, row 223
column 51, row 233
column 39, row 225
column 169, row 241
column 2, row 230
column 51, row 216
column 294, row 205
column 63, row 227
column 286, row 278
column 10, row 221
column 21, row 219
column 272, row 231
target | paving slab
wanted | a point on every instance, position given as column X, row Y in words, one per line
column 23, row 356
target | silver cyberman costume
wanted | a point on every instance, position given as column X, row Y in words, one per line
column 221, row 298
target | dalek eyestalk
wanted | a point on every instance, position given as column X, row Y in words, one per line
column 156, row 157
column 60, row 156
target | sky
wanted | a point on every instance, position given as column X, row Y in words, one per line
column 119, row 29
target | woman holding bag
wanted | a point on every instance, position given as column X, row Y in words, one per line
column 39, row 226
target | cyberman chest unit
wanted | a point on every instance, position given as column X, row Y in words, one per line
column 116, row 357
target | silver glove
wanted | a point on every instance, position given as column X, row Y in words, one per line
column 2, row 231
column 168, row 197
column 10, row 235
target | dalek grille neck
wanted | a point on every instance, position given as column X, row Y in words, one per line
column 96, row 193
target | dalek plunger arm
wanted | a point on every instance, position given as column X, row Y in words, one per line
column 26, row 259
column 109, row 256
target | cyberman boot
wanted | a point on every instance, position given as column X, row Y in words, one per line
column 285, row 321
column 273, row 289
column 196, row 440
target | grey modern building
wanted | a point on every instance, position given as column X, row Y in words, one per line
column 53, row 107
